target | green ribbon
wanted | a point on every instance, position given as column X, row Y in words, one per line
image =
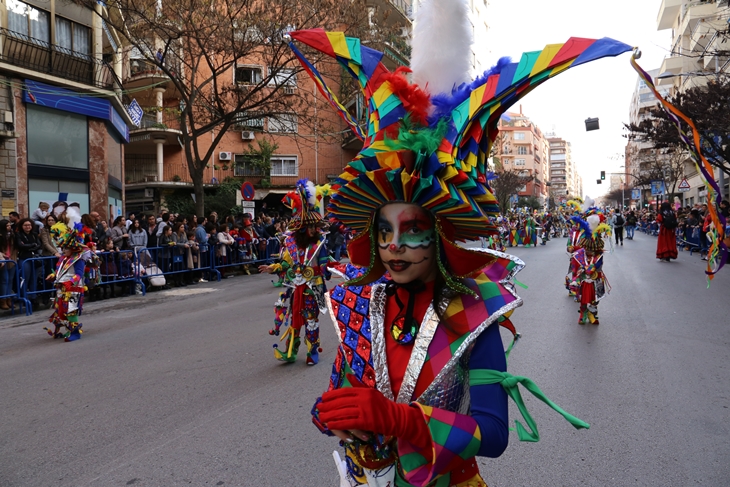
column 510, row 383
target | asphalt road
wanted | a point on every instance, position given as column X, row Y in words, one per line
column 181, row 387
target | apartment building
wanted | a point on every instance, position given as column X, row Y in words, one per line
column 312, row 142
column 524, row 149
column 64, row 125
column 698, row 54
column 565, row 182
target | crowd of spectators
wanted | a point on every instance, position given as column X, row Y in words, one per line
column 177, row 246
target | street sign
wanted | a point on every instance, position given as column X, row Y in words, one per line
column 684, row 186
column 247, row 191
column 248, row 204
column 135, row 113
column 635, row 194
column 657, row 186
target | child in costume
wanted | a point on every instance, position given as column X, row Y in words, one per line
column 419, row 385
column 68, row 281
column 303, row 268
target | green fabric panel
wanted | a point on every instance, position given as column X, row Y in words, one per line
column 471, row 449
column 388, row 105
column 489, row 290
column 527, row 62
column 439, row 431
column 412, row 461
column 353, row 45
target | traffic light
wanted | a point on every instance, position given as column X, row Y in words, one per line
column 603, row 175
column 598, row 181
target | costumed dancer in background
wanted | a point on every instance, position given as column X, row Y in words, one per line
column 68, row 281
column 588, row 267
column 576, row 229
column 419, row 385
column 303, row 268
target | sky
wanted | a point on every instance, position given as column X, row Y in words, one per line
column 602, row 88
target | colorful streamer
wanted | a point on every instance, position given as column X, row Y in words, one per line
column 718, row 252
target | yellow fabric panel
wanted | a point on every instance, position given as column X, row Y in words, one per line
column 545, row 57
column 475, row 99
column 339, row 44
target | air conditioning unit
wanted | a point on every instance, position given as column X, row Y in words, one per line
column 289, row 90
column 149, row 193
column 247, row 135
column 224, row 156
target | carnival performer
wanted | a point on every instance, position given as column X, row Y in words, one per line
column 419, row 385
column 666, row 248
column 303, row 269
column 587, row 262
column 68, row 281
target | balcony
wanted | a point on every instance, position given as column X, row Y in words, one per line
column 29, row 53
column 668, row 12
column 140, row 170
column 150, row 129
column 694, row 12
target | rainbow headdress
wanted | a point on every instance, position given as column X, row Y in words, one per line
column 303, row 203
column 432, row 150
column 72, row 237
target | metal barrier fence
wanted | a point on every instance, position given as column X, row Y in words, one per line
column 25, row 281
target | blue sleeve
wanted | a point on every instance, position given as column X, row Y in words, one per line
column 79, row 267
column 489, row 402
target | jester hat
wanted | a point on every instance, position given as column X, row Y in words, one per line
column 69, row 237
column 303, row 203
column 430, row 150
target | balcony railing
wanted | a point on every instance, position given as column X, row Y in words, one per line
column 26, row 52
column 141, row 169
column 170, row 120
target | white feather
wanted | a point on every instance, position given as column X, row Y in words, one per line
column 312, row 194
column 593, row 221
column 588, row 202
column 73, row 215
column 441, row 45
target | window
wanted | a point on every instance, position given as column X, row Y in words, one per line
column 522, row 189
column 72, row 36
column 282, row 76
column 284, row 166
column 283, row 123
column 48, row 190
column 244, row 166
column 247, row 75
column 57, row 138
column 29, row 21
column 519, row 162
column 519, row 136
column 522, row 150
column 249, row 120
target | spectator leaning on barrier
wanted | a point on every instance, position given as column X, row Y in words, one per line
column 119, row 234
column 7, row 269
column 29, row 246
column 48, row 246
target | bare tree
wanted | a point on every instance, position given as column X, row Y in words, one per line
column 506, row 184
column 666, row 165
column 203, row 41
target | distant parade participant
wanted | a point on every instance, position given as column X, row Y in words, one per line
column 303, row 269
column 589, row 284
column 69, row 280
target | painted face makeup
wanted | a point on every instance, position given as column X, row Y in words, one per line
column 406, row 242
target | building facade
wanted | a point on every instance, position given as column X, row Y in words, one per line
column 565, row 182
column 524, row 149
column 64, row 121
column 698, row 54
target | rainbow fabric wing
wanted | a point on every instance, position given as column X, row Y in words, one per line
column 475, row 119
column 364, row 64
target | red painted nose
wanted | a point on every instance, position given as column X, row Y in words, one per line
column 393, row 247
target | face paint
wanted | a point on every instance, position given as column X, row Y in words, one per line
column 406, row 242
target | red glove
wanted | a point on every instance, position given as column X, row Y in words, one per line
column 368, row 410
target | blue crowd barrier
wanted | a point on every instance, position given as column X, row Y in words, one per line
column 136, row 268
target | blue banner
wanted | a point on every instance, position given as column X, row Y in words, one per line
column 657, row 187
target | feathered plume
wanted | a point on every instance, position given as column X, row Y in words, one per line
column 601, row 228
column 441, row 45
column 73, row 215
column 587, row 203
column 582, row 224
column 593, row 221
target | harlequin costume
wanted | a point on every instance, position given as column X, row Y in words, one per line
column 68, row 281
column 425, row 371
column 587, row 266
column 302, row 271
